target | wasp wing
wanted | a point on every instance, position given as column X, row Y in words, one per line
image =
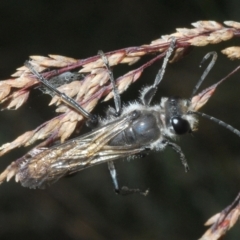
column 85, row 151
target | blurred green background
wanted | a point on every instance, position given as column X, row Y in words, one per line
column 85, row 206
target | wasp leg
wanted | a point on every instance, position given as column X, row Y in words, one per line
column 68, row 100
column 148, row 92
column 178, row 150
column 116, row 95
column 123, row 190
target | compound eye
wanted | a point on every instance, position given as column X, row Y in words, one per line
column 180, row 125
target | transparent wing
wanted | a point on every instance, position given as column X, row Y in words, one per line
column 85, row 151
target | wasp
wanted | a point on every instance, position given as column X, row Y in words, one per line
column 125, row 132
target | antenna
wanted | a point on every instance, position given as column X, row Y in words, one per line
column 218, row 121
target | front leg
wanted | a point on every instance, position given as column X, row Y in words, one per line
column 148, row 92
column 178, row 150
